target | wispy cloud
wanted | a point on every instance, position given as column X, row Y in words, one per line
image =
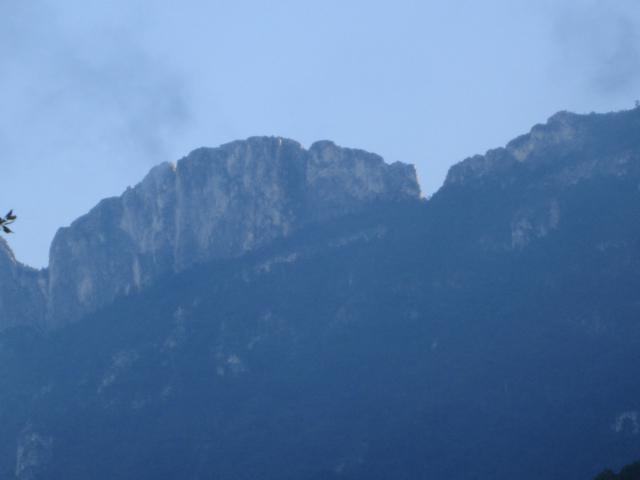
column 599, row 43
column 86, row 107
column 82, row 87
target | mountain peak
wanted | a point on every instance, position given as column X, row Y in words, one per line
column 214, row 203
column 567, row 147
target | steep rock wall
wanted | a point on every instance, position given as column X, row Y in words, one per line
column 566, row 149
column 215, row 203
column 569, row 150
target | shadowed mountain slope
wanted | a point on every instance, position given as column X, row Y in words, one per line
column 489, row 332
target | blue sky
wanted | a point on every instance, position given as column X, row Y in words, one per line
column 93, row 94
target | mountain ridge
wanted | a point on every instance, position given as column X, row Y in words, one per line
column 214, row 203
column 489, row 332
column 150, row 238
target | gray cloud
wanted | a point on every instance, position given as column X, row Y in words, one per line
column 80, row 88
column 599, row 42
column 86, row 110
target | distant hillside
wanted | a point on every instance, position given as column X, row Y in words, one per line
column 491, row 331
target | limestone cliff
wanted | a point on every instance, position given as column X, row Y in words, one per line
column 567, row 150
column 22, row 291
column 214, row 203
column 569, row 147
column 221, row 202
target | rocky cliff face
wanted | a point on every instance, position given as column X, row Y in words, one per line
column 22, row 291
column 569, row 147
column 215, row 203
column 496, row 323
column 221, row 202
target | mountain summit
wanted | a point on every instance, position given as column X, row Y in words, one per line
column 568, row 148
column 260, row 311
column 215, row 203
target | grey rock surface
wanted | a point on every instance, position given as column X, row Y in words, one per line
column 566, row 149
column 22, row 291
column 215, row 203
column 222, row 202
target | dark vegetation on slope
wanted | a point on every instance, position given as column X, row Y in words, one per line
column 413, row 341
column 629, row 472
column 419, row 354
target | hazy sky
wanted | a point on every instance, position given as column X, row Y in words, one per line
column 93, row 94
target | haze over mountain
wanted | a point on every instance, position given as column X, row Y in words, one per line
column 263, row 311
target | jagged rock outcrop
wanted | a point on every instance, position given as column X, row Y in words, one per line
column 221, row 202
column 569, row 147
column 215, row 203
column 496, row 323
column 22, row 291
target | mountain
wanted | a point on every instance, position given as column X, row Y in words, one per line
column 490, row 331
column 215, row 203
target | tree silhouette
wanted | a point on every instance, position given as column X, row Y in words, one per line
column 7, row 220
column 630, row 472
